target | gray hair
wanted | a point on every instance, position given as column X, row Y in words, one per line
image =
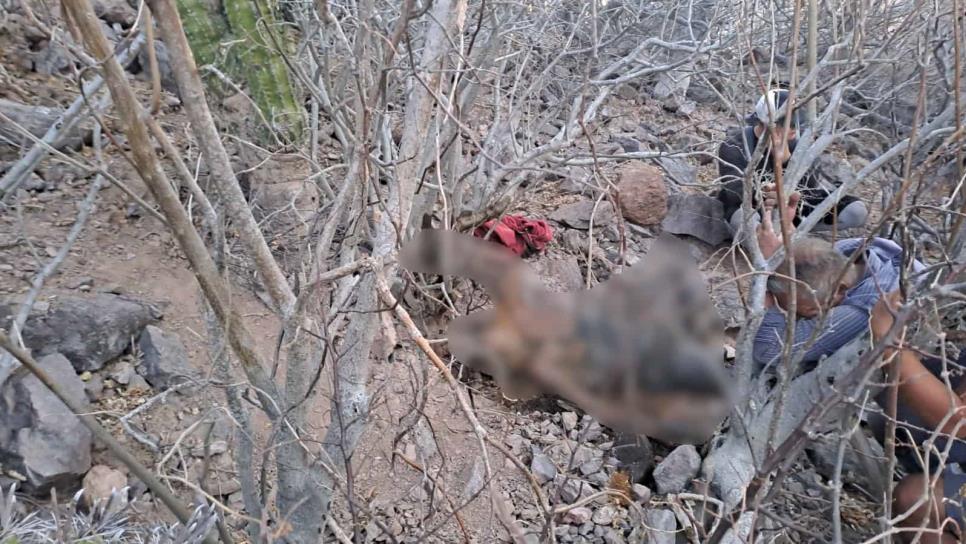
column 817, row 264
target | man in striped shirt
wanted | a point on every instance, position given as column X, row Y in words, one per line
column 834, row 296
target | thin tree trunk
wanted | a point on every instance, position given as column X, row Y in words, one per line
column 812, row 47
column 149, row 169
column 193, row 96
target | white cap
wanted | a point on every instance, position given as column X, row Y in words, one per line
column 770, row 103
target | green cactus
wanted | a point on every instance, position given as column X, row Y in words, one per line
column 252, row 58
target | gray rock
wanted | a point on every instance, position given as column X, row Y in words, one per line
column 115, row 12
column 569, row 421
column 94, row 387
column 164, row 359
column 661, row 526
column 673, row 84
column 52, row 59
column 696, row 215
column 824, row 453
column 475, row 478
column 679, row 170
column 578, row 214
column 727, row 299
column 741, row 531
column 40, row 438
column 578, row 516
column 611, row 536
column 833, row 170
column 564, row 271
column 599, row 479
column 677, row 470
column 604, row 515
column 583, row 454
column 642, row 493
column 36, row 120
column 629, row 145
column 593, row 432
column 517, row 444
column 84, row 283
column 34, row 183
column 168, row 82
column 634, row 455
column 138, row 383
column 88, row 331
column 215, row 447
column 592, row 466
column 543, row 468
column 571, row 489
column 122, row 373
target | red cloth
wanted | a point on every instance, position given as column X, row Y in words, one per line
column 518, row 233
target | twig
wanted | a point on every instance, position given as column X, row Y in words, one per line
column 138, row 435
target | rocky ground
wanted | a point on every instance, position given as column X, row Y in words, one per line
column 120, row 325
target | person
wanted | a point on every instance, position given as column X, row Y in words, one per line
column 929, row 501
column 832, row 291
column 736, row 151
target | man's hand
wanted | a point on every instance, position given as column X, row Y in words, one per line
column 770, row 194
column 768, row 240
column 882, row 315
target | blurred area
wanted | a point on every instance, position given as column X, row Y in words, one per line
column 641, row 352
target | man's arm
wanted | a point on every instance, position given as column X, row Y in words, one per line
column 731, row 166
column 928, row 396
column 731, row 162
column 842, row 325
column 919, row 389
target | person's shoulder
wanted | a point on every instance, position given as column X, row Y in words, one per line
column 736, row 138
column 847, row 245
column 882, row 246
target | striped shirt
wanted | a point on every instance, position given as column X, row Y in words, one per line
column 845, row 322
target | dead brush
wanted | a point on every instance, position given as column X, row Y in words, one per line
column 109, row 520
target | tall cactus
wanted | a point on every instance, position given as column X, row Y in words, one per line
column 253, row 58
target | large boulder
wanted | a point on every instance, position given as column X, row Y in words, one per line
column 675, row 472
column 115, row 12
column 88, row 331
column 36, row 120
column 168, row 81
column 40, row 438
column 164, row 360
column 577, row 215
column 634, row 454
column 696, row 215
column 643, row 194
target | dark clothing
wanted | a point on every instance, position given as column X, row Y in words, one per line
column 734, row 154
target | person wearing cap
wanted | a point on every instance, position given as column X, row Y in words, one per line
column 735, row 153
